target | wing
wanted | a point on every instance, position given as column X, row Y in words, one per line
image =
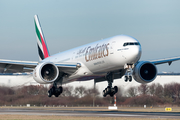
column 119, row 74
column 166, row 60
column 15, row 66
column 68, row 67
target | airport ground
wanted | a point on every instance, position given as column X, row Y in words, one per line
column 34, row 117
column 87, row 113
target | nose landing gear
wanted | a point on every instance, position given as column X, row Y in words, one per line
column 128, row 74
column 128, row 77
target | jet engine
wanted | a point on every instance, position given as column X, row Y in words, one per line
column 46, row 73
column 144, row 72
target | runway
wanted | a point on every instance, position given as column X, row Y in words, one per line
column 88, row 113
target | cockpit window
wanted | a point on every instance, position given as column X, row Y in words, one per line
column 131, row 43
column 136, row 43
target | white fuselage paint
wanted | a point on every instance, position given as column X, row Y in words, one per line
column 99, row 57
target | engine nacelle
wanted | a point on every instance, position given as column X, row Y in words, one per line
column 45, row 73
column 144, row 72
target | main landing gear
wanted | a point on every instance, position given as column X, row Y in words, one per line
column 109, row 90
column 55, row 90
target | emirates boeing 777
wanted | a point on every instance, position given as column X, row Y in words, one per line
column 103, row 60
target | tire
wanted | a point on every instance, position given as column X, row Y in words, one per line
column 115, row 89
column 53, row 90
column 125, row 78
column 61, row 89
column 130, row 78
column 49, row 93
column 111, row 94
column 56, row 95
column 108, row 90
column 104, row 93
column 105, row 90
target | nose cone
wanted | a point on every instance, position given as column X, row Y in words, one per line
column 133, row 54
column 136, row 54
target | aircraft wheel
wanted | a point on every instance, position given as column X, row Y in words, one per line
column 125, row 78
column 56, row 95
column 61, row 89
column 111, row 94
column 49, row 93
column 104, row 93
column 109, row 90
column 115, row 89
column 130, row 78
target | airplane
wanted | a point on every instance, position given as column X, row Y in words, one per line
column 103, row 60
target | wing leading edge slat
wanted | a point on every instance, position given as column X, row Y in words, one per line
column 167, row 60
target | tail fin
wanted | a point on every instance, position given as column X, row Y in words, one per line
column 41, row 43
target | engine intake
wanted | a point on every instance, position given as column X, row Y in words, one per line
column 144, row 72
column 46, row 73
column 49, row 72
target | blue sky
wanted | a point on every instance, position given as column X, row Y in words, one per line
column 71, row 23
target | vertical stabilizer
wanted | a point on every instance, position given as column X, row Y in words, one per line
column 41, row 43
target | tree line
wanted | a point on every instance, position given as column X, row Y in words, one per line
column 144, row 94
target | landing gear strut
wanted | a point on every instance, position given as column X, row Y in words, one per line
column 55, row 90
column 109, row 90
